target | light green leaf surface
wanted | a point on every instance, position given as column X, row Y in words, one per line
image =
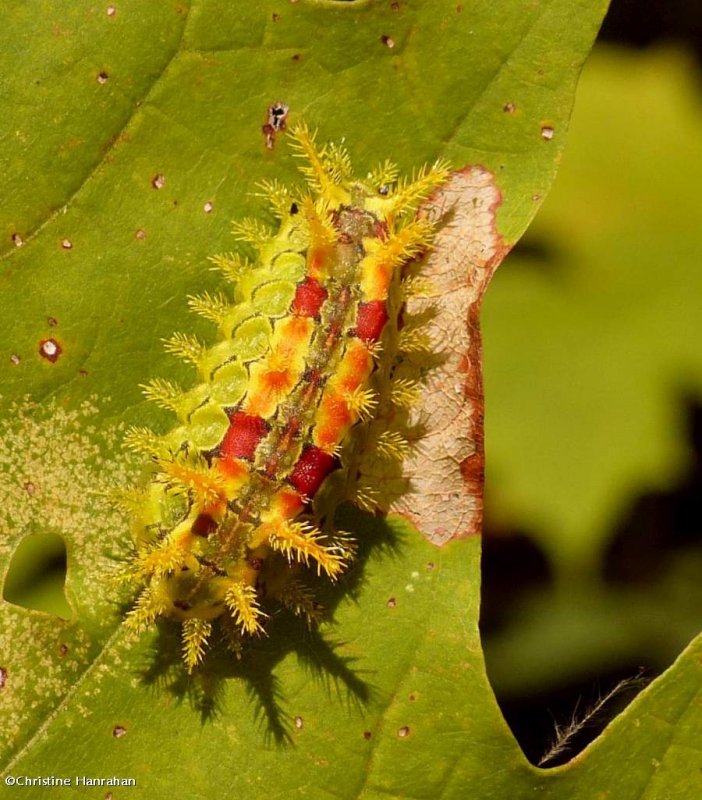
column 391, row 698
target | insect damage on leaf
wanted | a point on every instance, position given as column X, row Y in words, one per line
column 236, row 517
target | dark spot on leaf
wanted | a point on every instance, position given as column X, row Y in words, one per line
column 63, row 650
column 275, row 17
column 367, row 735
column 52, row 322
column 430, row 565
column 412, row 697
column 395, row 6
column 118, row 731
column 50, row 349
column 29, row 487
column 3, row 677
column 102, row 77
column 392, row 603
column 296, row 57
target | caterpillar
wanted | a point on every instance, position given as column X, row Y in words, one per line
column 228, row 526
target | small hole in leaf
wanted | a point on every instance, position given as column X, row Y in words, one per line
column 50, row 349
column 111, row 11
column 403, row 732
column 392, row 602
column 388, row 41
column 119, row 731
column 299, row 722
column 547, row 132
column 207, row 208
column 158, row 181
column 36, row 576
column 102, row 77
column 17, row 240
column 15, row 359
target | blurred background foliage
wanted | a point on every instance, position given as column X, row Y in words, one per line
column 593, row 374
column 592, row 337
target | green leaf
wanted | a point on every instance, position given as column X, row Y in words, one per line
column 133, row 136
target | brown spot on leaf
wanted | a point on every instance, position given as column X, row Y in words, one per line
column 404, row 731
column 367, row 735
column 15, row 359
column 50, row 349
column 30, row 488
column 3, row 677
column 119, row 731
column 17, row 240
column 509, row 108
column 52, row 322
column 63, row 650
column 445, row 469
column 392, row 603
column 140, row 234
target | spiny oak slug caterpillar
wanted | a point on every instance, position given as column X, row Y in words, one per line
column 228, row 526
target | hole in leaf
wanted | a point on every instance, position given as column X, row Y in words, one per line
column 36, row 576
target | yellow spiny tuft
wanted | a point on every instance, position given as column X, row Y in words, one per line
column 207, row 485
column 242, row 601
column 231, row 265
column 147, row 608
column 392, row 445
column 417, row 286
column 300, row 541
column 366, row 498
column 337, row 162
column 321, row 172
column 414, row 340
column 278, row 195
column 215, row 307
column 143, row 441
column 196, row 632
column 165, row 557
column 362, row 402
column 407, row 195
column 165, row 393
column 404, row 393
column 251, row 231
column 383, row 176
column 321, row 232
column 187, row 347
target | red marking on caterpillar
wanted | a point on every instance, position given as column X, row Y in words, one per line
column 311, row 469
column 243, row 436
column 305, row 353
column 309, row 297
column 370, row 320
